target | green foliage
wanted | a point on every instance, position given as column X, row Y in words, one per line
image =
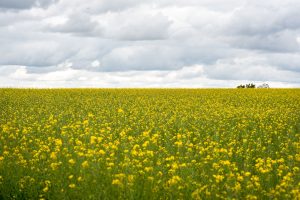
column 250, row 85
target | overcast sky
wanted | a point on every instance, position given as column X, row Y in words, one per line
column 149, row 43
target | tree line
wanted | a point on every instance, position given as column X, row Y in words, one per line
column 250, row 85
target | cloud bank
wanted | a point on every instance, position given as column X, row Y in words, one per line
column 134, row 43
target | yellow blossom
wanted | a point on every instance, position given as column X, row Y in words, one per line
column 72, row 161
column 85, row 164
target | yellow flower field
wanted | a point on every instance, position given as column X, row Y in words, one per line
column 150, row 144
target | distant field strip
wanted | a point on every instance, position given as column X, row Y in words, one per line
column 150, row 144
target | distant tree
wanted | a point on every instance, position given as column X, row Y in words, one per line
column 250, row 85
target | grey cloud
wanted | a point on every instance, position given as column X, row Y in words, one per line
column 78, row 25
column 37, row 52
column 285, row 61
column 11, row 18
column 115, row 6
column 166, row 41
column 129, row 26
column 112, row 5
column 258, row 18
column 271, row 27
column 284, row 41
column 25, row 4
column 135, row 26
column 253, row 69
column 142, row 58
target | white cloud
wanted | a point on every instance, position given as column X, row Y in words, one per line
column 171, row 43
column 96, row 63
column 254, row 69
column 298, row 39
column 56, row 20
column 189, row 76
